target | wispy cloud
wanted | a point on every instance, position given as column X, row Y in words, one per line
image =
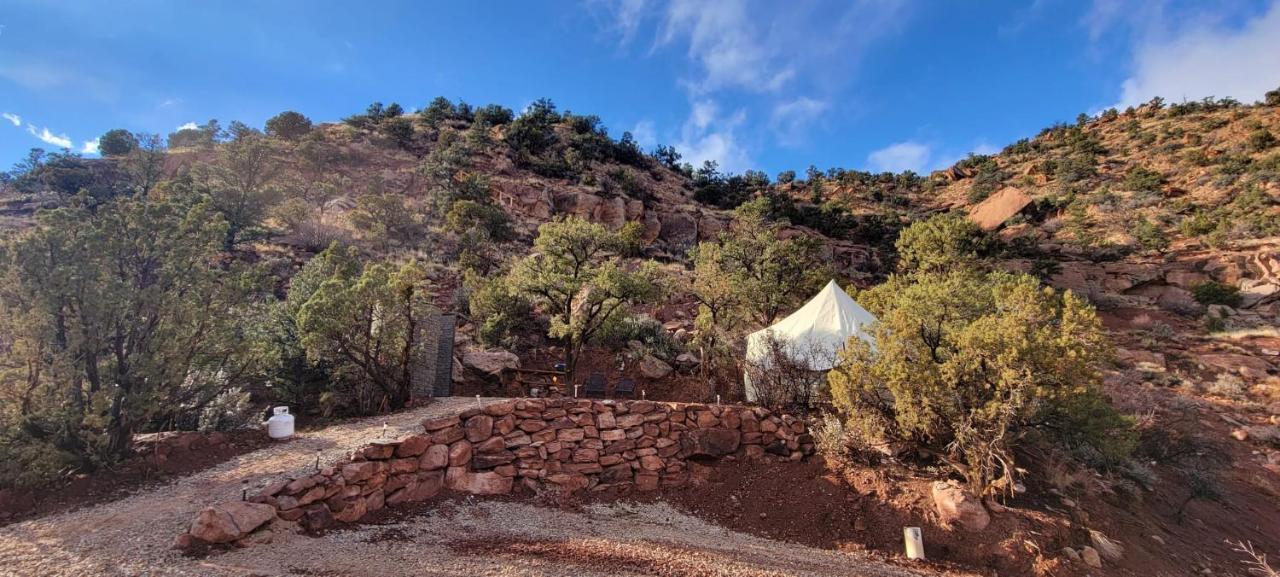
column 187, row 126
column 645, row 134
column 791, row 119
column 920, row 157
column 89, row 147
column 48, row 137
column 33, row 73
column 1204, row 58
column 707, row 135
column 900, row 156
column 628, row 15
column 757, row 56
column 13, row 118
column 725, row 41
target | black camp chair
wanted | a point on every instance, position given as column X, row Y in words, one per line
column 595, row 385
column 626, row 387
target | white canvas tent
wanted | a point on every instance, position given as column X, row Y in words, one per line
column 815, row 333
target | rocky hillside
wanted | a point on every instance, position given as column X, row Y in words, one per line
column 1167, row 217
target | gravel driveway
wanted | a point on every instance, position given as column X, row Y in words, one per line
column 134, row 536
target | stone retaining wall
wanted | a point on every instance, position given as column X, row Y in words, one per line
column 565, row 445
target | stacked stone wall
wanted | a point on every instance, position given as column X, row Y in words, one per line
column 565, row 445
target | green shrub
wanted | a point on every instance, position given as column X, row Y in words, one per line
column 1142, row 179
column 439, row 110
column 1216, row 293
column 944, row 242
column 467, row 215
column 1261, row 139
column 644, row 329
column 289, row 125
column 1148, row 234
column 1272, row 98
column 493, row 115
column 117, row 142
column 499, row 311
column 967, row 366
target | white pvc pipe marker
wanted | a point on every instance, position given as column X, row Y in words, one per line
column 915, row 543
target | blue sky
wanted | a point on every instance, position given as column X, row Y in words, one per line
column 879, row 85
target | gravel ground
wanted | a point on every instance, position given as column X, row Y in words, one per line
column 134, row 536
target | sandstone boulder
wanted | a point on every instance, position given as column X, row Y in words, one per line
column 491, row 362
column 999, row 207
column 1091, row 557
column 654, row 368
column 957, row 507
column 479, row 428
column 413, row 446
column 230, row 521
column 488, row 483
column 435, row 457
column 678, row 229
column 710, row 442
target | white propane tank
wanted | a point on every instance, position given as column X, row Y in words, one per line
column 280, row 425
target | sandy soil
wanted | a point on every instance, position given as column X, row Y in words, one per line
column 504, row 538
column 133, row 536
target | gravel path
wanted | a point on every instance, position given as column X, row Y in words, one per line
column 133, row 536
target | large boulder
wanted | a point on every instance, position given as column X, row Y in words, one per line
column 230, row 521
column 678, row 229
column 999, row 207
column 654, row 368
column 957, row 507
column 491, row 362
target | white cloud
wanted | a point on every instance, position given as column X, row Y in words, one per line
column 44, row 134
column 791, row 119
column 708, row 136
column 89, row 147
column 1206, row 59
column 30, row 71
column 645, row 134
column 900, row 156
column 724, row 41
column 13, row 118
column 1102, row 15
column 187, row 126
column 627, row 18
column 773, row 52
column 945, row 160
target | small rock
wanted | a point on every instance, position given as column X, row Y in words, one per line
column 956, row 506
column 184, row 542
column 1091, row 557
column 1110, row 550
column 1070, row 553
